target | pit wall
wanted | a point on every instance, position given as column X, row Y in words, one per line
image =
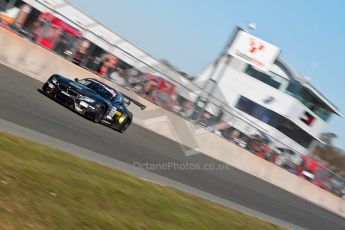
column 40, row 63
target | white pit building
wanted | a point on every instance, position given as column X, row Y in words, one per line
column 265, row 90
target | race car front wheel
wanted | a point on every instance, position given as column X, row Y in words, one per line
column 98, row 114
column 46, row 90
column 121, row 127
column 124, row 125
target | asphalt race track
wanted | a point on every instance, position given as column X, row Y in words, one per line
column 20, row 103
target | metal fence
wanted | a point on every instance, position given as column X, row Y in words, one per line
column 160, row 85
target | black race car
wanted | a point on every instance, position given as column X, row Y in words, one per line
column 92, row 98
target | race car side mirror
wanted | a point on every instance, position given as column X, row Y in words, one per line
column 76, row 79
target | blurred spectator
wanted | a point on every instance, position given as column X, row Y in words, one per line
column 254, row 144
column 131, row 74
column 112, row 65
column 106, row 62
column 115, row 73
column 62, row 44
column 164, row 94
column 150, row 86
column 118, row 76
column 43, row 25
column 81, row 52
column 8, row 15
column 227, row 132
column 283, row 160
column 264, row 151
column 137, row 80
column 214, row 120
column 205, row 119
column 220, row 114
column 94, row 63
column 235, row 134
column 220, row 127
column 187, row 109
column 19, row 21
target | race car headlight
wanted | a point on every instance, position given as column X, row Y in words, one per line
column 121, row 119
column 54, row 80
column 87, row 99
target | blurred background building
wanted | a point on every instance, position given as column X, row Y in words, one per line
column 253, row 80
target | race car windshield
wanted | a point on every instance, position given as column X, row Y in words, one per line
column 100, row 89
column 84, row 82
column 118, row 99
column 105, row 93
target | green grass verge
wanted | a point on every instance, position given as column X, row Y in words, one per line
column 44, row 188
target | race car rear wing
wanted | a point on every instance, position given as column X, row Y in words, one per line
column 128, row 101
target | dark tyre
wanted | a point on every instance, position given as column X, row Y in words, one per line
column 98, row 114
column 126, row 123
column 45, row 89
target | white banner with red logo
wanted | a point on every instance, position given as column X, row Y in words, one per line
column 253, row 50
